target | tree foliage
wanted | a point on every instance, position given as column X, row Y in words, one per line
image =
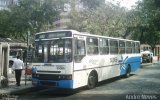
column 29, row 15
column 141, row 23
column 108, row 20
column 4, row 23
column 148, row 22
column 97, row 17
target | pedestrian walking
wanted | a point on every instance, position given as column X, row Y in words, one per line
column 18, row 66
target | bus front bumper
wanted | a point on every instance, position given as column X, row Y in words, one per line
column 68, row 84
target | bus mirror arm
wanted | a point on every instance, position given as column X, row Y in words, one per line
column 125, row 59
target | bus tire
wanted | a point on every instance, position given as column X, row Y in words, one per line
column 92, row 81
column 151, row 60
column 128, row 71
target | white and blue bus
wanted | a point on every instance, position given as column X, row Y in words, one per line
column 71, row 59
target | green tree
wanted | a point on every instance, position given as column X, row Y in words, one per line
column 148, row 22
column 4, row 23
column 104, row 20
column 30, row 15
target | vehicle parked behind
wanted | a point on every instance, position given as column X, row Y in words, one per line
column 147, row 56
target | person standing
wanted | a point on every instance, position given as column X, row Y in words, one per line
column 18, row 66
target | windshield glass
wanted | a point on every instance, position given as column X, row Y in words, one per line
column 54, row 51
column 13, row 53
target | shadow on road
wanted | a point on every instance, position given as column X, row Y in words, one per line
column 111, row 80
column 54, row 92
column 59, row 93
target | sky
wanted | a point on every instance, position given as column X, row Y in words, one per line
column 124, row 3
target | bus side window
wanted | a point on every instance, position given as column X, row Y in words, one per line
column 103, row 46
column 133, row 47
column 137, row 47
column 92, row 46
column 121, row 47
column 128, row 47
column 113, row 47
column 79, row 50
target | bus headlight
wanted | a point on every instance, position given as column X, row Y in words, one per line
column 65, row 77
column 69, row 77
column 59, row 77
column 35, row 75
column 34, row 70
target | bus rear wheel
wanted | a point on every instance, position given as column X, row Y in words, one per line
column 92, row 81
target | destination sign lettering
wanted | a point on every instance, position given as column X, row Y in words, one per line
column 54, row 35
column 42, row 36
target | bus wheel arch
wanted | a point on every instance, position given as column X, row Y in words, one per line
column 128, row 71
column 92, row 79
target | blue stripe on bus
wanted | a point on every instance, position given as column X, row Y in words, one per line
column 68, row 84
column 134, row 62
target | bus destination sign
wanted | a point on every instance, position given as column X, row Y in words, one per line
column 53, row 35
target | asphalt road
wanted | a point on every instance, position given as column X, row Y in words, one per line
column 144, row 84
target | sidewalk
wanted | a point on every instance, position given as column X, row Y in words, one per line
column 13, row 89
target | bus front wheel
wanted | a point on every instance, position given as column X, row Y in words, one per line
column 92, row 81
column 128, row 71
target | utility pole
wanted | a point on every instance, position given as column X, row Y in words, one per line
column 28, row 35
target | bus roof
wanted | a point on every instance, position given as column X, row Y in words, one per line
column 57, row 31
column 86, row 34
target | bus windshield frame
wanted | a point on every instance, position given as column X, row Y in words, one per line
column 54, row 51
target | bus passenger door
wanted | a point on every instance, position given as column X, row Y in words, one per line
column 79, row 50
column 79, row 54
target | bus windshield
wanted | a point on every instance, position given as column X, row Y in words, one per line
column 53, row 51
column 15, row 52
